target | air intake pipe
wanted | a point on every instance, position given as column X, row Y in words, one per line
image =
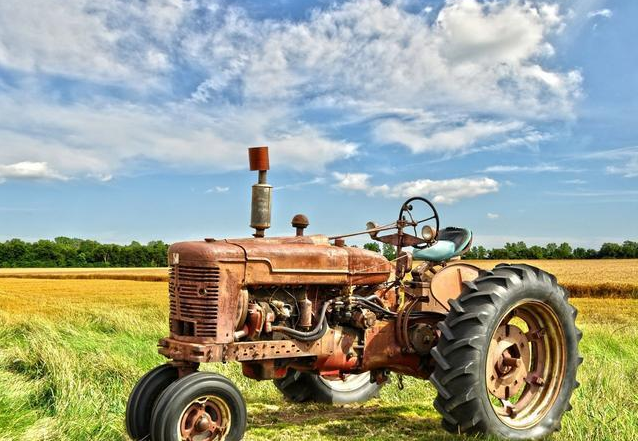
column 262, row 192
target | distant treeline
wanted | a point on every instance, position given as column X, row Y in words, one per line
column 519, row 250
column 78, row 253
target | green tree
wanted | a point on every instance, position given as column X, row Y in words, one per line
column 535, row 252
column 389, row 251
column 629, row 249
column 579, row 253
column 564, row 251
column 372, row 246
column 610, row 251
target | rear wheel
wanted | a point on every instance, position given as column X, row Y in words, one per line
column 143, row 397
column 507, row 358
column 303, row 386
column 199, row 407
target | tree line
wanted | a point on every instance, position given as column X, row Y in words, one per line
column 78, row 253
column 519, row 250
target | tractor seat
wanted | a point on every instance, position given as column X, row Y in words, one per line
column 451, row 242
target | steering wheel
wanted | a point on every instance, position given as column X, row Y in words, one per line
column 407, row 209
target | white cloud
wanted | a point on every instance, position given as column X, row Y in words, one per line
column 102, row 41
column 624, row 159
column 604, row 13
column 449, row 139
column 629, row 158
column 297, row 185
column 103, row 139
column 628, row 170
column 575, row 181
column 218, row 189
column 29, row 170
column 477, row 72
column 492, row 216
column 445, row 191
column 353, row 181
column 525, row 168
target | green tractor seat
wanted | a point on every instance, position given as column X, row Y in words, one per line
column 451, row 242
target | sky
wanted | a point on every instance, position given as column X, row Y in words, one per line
column 129, row 120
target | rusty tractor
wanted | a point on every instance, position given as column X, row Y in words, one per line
column 329, row 323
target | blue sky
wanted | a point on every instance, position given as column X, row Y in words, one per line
column 129, row 120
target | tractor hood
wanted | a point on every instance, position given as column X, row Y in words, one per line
column 300, row 260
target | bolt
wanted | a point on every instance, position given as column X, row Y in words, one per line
column 510, row 361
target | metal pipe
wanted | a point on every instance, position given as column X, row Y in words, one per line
column 261, row 192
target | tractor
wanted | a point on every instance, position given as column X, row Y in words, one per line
column 330, row 323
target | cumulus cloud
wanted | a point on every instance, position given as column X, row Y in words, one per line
column 29, row 170
column 102, row 139
column 492, row 216
column 474, row 74
column 445, row 191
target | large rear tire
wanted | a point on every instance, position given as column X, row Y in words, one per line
column 507, row 358
column 303, row 386
column 143, row 397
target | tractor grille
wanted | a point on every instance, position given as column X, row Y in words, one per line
column 194, row 300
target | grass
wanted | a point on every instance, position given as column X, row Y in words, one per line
column 71, row 350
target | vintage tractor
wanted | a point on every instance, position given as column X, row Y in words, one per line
column 329, row 322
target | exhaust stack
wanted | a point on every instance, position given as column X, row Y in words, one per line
column 262, row 192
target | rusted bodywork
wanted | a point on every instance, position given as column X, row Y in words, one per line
column 306, row 302
column 210, row 304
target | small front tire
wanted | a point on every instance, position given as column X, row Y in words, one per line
column 200, row 407
column 143, row 397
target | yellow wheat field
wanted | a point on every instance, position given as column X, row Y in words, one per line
column 587, row 278
column 584, row 278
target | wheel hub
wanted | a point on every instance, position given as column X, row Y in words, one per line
column 205, row 419
column 508, row 361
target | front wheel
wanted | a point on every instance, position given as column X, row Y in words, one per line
column 143, row 397
column 507, row 358
column 199, row 407
column 303, row 386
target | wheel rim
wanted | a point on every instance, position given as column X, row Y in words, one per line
column 206, row 418
column 349, row 383
column 525, row 364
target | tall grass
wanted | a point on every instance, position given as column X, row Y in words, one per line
column 71, row 350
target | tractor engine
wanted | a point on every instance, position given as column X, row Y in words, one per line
column 272, row 289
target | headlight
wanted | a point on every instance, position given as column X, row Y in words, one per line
column 428, row 233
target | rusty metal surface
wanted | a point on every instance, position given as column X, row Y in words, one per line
column 448, row 283
column 526, row 364
column 258, row 158
column 198, row 352
column 299, row 223
column 382, row 351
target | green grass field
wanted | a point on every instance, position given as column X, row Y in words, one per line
column 71, row 350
